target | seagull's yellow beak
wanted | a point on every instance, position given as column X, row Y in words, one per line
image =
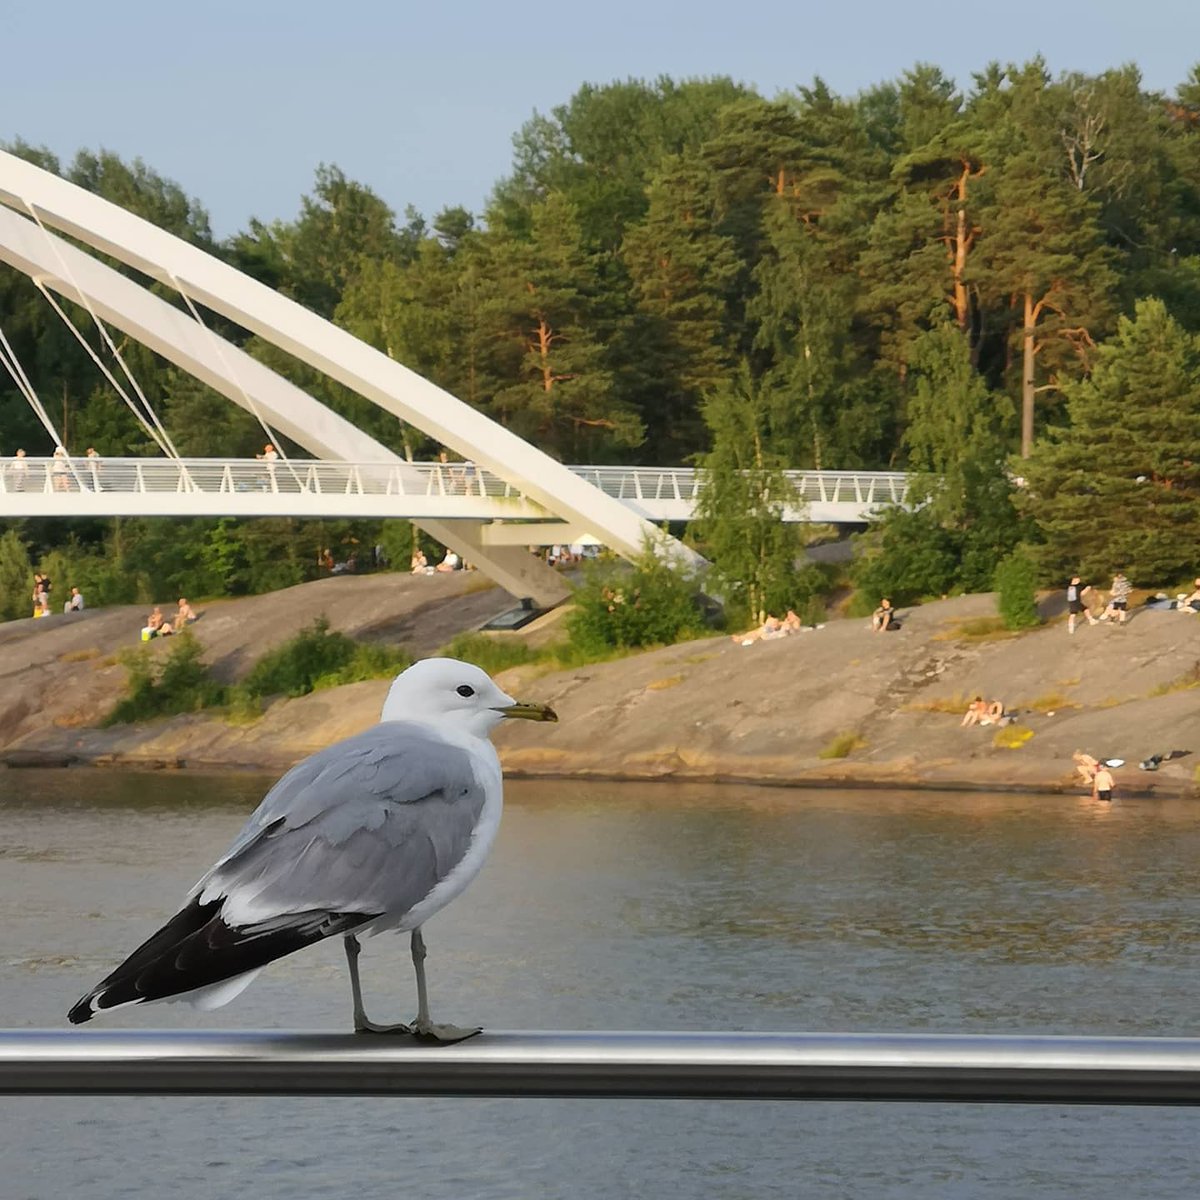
column 529, row 712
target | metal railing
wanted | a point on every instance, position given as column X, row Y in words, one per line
column 148, row 476
column 747, row 1066
column 683, row 484
column 64, row 486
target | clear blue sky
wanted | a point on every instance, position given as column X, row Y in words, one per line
column 239, row 100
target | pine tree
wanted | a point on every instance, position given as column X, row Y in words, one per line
column 1044, row 255
column 1119, row 487
column 805, row 313
column 557, row 389
column 682, row 271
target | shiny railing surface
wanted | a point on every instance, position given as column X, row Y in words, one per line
column 746, row 1066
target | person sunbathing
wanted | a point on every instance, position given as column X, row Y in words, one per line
column 771, row 628
column 157, row 625
column 983, row 712
column 1086, row 765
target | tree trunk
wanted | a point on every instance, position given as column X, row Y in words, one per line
column 1027, row 392
column 962, row 244
column 544, row 339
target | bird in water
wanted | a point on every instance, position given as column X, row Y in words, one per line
column 377, row 832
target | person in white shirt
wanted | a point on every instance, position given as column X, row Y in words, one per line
column 74, row 602
column 450, row 562
column 19, row 469
column 270, row 456
column 61, row 470
column 93, row 463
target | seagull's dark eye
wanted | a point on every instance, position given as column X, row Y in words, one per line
column 465, row 690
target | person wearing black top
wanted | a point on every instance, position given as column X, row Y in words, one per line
column 1075, row 604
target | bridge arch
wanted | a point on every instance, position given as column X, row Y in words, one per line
column 51, row 202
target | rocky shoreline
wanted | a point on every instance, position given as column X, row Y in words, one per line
column 835, row 707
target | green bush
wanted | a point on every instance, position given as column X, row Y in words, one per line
column 316, row 658
column 163, row 687
column 16, row 577
column 647, row 603
column 312, row 660
column 492, row 655
column 906, row 556
column 367, row 662
column 1015, row 583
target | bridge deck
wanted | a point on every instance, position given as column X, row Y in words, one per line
column 314, row 488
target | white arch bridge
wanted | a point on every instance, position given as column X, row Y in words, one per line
column 351, row 474
column 189, row 487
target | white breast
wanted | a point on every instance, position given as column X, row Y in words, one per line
column 467, row 867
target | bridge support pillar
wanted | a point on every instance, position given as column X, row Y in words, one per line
column 516, row 570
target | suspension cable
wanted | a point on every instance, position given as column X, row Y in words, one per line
column 230, row 373
column 166, row 444
column 12, row 364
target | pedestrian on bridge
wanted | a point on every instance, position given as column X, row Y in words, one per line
column 18, row 470
column 270, row 456
column 93, row 462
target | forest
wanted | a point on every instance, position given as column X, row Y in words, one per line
column 996, row 286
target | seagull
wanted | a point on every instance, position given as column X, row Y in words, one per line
column 375, row 833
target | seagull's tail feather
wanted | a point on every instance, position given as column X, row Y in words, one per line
column 196, row 949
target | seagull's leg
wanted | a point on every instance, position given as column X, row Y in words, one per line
column 361, row 1024
column 423, row 1026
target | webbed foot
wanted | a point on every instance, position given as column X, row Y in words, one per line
column 446, row 1035
column 362, row 1025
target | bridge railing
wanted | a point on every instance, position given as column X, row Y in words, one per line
column 218, row 476
column 662, row 491
column 656, row 484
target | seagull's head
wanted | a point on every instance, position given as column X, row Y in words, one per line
column 444, row 691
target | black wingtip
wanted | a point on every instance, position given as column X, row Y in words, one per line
column 81, row 1012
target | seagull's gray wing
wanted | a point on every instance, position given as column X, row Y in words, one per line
column 369, row 825
column 365, row 828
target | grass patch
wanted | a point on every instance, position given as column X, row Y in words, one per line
column 1011, row 737
column 1051, row 702
column 661, row 685
column 490, row 654
column 694, row 660
column 70, row 656
column 843, row 745
column 977, row 629
column 494, row 655
column 1188, row 680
